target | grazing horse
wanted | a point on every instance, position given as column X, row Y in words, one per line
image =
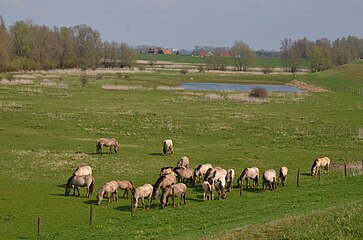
column 201, row 170
column 162, row 182
column 282, row 175
column 80, row 181
column 111, row 189
column 125, row 185
column 184, row 173
column 183, row 162
column 208, row 191
column 166, row 170
column 179, row 189
column 168, row 147
column 83, row 170
column 249, row 173
column 107, row 142
column 269, row 178
column 220, row 188
column 320, row 162
column 229, row 179
column 215, row 174
column 145, row 190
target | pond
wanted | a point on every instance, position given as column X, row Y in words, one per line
column 239, row 87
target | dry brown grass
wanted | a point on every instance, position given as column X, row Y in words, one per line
column 121, row 87
column 306, row 87
column 16, row 82
column 360, row 134
column 169, row 88
column 48, row 83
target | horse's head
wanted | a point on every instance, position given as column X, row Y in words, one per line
column 117, row 146
column 224, row 192
column 239, row 182
column 99, row 199
column 313, row 168
column 67, row 190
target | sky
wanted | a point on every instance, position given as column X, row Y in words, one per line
column 183, row 24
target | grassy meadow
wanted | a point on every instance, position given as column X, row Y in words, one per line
column 50, row 127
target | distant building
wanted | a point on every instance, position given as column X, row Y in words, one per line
column 160, row 51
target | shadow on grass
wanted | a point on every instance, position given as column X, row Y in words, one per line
column 305, row 174
column 156, row 154
column 91, row 201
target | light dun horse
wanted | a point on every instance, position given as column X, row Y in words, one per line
column 166, row 170
column 141, row 192
column 83, row 170
column 229, row 179
column 183, row 162
column 107, row 142
column 283, row 175
column 249, row 173
column 168, row 147
column 179, row 189
column 269, row 178
column 162, row 182
column 125, row 185
column 318, row 163
column 111, row 189
column 201, row 170
column 80, row 181
column 208, row 191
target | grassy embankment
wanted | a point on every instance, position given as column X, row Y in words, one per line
column 48, row 129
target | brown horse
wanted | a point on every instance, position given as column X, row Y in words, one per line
column 183, row 162
column 282, row 175
column 184, row 173
column 249, row 173
column 145, row 190
column 125, row 185
column 80, row 181
column 166, row 170
column 179, row 189
column 168, row 147
column 201, row 170
column 107, row 142
column 162, row 182
column 269, row 178
column 320, row 162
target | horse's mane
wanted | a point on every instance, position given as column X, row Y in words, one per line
column 69, row 180
column 198, row 168
column 207, row 174
column 157, row 184
column 314, row 164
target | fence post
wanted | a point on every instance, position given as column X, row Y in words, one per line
column 345, row 169
column 38, row 226
column 91, row 215
column 298, row 178
column 132, row 206
column 172, row 189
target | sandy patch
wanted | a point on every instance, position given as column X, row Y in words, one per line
column 306, row 87
column 121, row 87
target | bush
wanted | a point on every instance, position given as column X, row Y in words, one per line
column 184, row 71
column 259, row 92
column 84, row 80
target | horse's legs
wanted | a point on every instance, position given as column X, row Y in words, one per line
column 204, row 197
column 109, row 198
column 143, row 203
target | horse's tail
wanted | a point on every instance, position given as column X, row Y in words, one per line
column 91, row 186
column 164, row 148
column 98, row 146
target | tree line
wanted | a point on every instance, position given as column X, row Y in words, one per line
column 27, row 46
column 320, row 54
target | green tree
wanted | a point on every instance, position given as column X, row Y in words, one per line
column 319, row 55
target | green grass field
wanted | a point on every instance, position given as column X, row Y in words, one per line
column 49, row 128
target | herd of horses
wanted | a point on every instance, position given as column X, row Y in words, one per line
column 174, row 181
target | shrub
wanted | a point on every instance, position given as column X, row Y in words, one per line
column 184, row 71
column 259, row 92
column 84, row 80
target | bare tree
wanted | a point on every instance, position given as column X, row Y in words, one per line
column 243, row 55
column 290, row 54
